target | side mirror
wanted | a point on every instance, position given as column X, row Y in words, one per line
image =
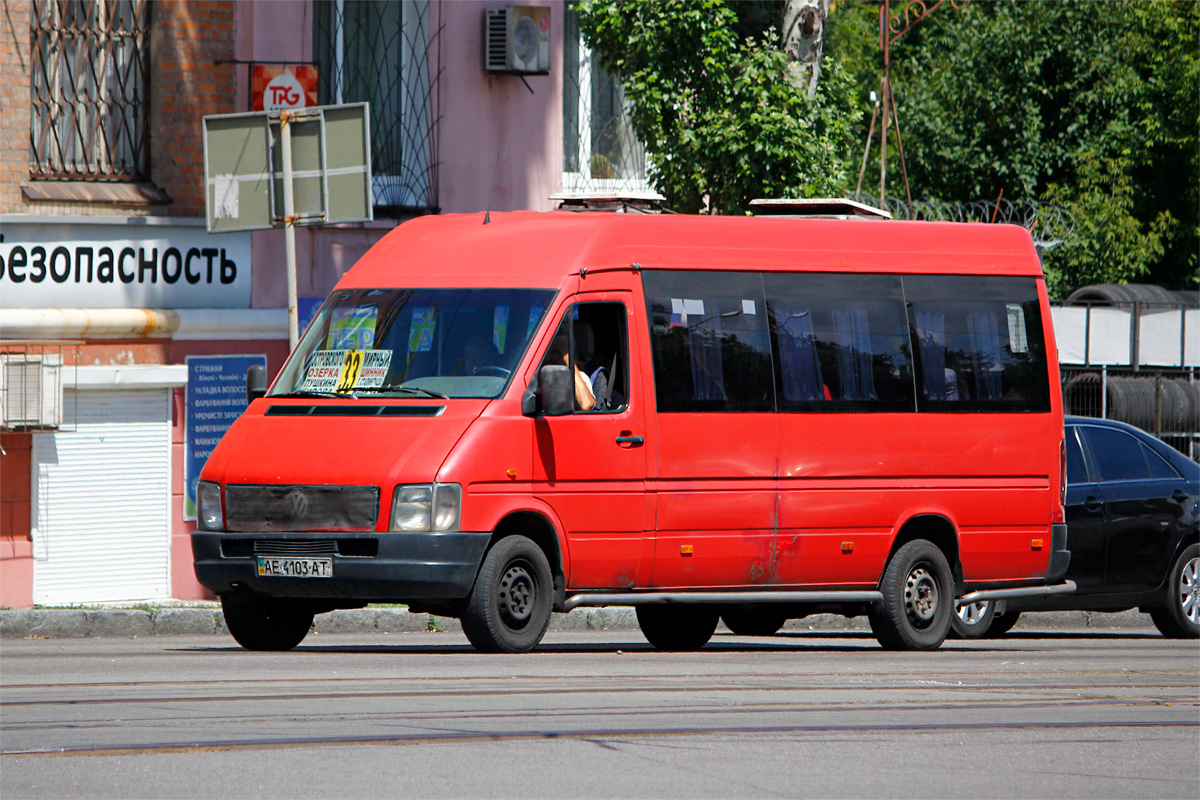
column 256, row 382
column 557, row 390
column 551, row 393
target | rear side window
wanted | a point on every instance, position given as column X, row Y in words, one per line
column 710, row 343
column 979, row 343
column 1158, row 467
column 841, row 342
column 1076, row 466
column 1116, row 454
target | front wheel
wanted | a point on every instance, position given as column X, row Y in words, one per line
column 972, row 620
column 1180, row 617
column 918, row 599
column 677, row 627
column 266, row 623
column 509, row 607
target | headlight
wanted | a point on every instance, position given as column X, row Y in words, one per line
column 426, row 507
column 209, row 516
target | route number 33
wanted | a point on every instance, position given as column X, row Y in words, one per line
column 351, row 368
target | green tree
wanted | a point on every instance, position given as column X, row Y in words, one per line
column 712, row 102
column 1093, row 107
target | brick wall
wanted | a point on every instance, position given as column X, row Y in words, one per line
column 188, row 38
column 14, row 102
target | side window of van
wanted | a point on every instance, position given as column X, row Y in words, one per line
column 979, row 343
column 841, row 342
column 592, row 339
column 711, row 346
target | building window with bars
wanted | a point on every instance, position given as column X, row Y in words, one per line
column 601, row 153
column 379, row 53
column 89, row 90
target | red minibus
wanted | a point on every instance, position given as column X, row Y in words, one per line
column 496, row 417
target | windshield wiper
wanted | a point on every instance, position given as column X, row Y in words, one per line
column 412, row 389
column 314, row 393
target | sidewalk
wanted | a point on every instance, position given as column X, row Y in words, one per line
column 205, row 618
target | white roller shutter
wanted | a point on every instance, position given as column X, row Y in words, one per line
column 102, row 498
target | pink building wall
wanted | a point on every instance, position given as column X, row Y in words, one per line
column 500, row 146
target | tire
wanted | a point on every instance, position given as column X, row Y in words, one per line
column 973, row 620
column 266, row 623
column 1180, row 617
column 669, row 627
column 1002, row 623
column 509, row 607
column 754, row 620
column 918, row 599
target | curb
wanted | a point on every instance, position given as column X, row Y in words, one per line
column 129, row 623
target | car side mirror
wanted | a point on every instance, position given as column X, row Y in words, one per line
column 256, row 382
column 551, row 394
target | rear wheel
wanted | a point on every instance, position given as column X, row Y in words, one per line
column 754, row 620
column 677, row 627
column 1002, row 623
column 918, row 599
column 1180, row 617
column 971, row 620
column 266, row 623
column 509, row 607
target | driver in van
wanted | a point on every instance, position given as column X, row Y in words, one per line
column 585, row 400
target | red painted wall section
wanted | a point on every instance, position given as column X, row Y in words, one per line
column 16, row 545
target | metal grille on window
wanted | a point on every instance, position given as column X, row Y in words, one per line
column 601, row 154
column 384, row 53
column 89, row 89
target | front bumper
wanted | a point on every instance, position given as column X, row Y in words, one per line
column 384, row 566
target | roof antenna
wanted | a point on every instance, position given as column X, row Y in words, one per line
column 487, row 214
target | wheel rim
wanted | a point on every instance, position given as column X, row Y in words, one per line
column 1189, row 591
column 920, row 596
column 517, row 595
column 973, row 613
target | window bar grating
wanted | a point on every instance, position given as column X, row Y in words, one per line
column 387, row 55
column 601, row 153
column 89, row 89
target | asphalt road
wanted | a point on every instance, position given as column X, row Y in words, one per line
column 1059, row 714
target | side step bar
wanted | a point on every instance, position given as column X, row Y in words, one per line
column 656, row 598
column 1066, row 587
column 872, row 596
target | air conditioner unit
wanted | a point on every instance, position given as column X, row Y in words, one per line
column 31, row 394
column 516, row 40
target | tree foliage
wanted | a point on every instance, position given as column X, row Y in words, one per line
column 712, row 102
column 1091, row 106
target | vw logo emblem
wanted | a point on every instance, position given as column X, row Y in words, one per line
column 295, row 504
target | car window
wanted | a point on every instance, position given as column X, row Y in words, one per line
column 1116, row 454
column 1158, row 467
column 1076, row 466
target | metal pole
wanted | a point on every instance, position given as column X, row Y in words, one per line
column 867, row 151
column 289, row 228
column 884, row 89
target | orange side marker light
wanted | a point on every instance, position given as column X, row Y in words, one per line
column 685, row 549
column 847, row 547
column 1036, row 544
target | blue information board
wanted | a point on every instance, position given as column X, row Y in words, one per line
column 216, row 396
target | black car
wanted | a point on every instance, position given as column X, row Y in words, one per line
column 1133, row 516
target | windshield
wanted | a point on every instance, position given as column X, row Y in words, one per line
column 414, row 343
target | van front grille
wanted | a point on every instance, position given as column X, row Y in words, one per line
column 248, row 548
column 301, row 508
